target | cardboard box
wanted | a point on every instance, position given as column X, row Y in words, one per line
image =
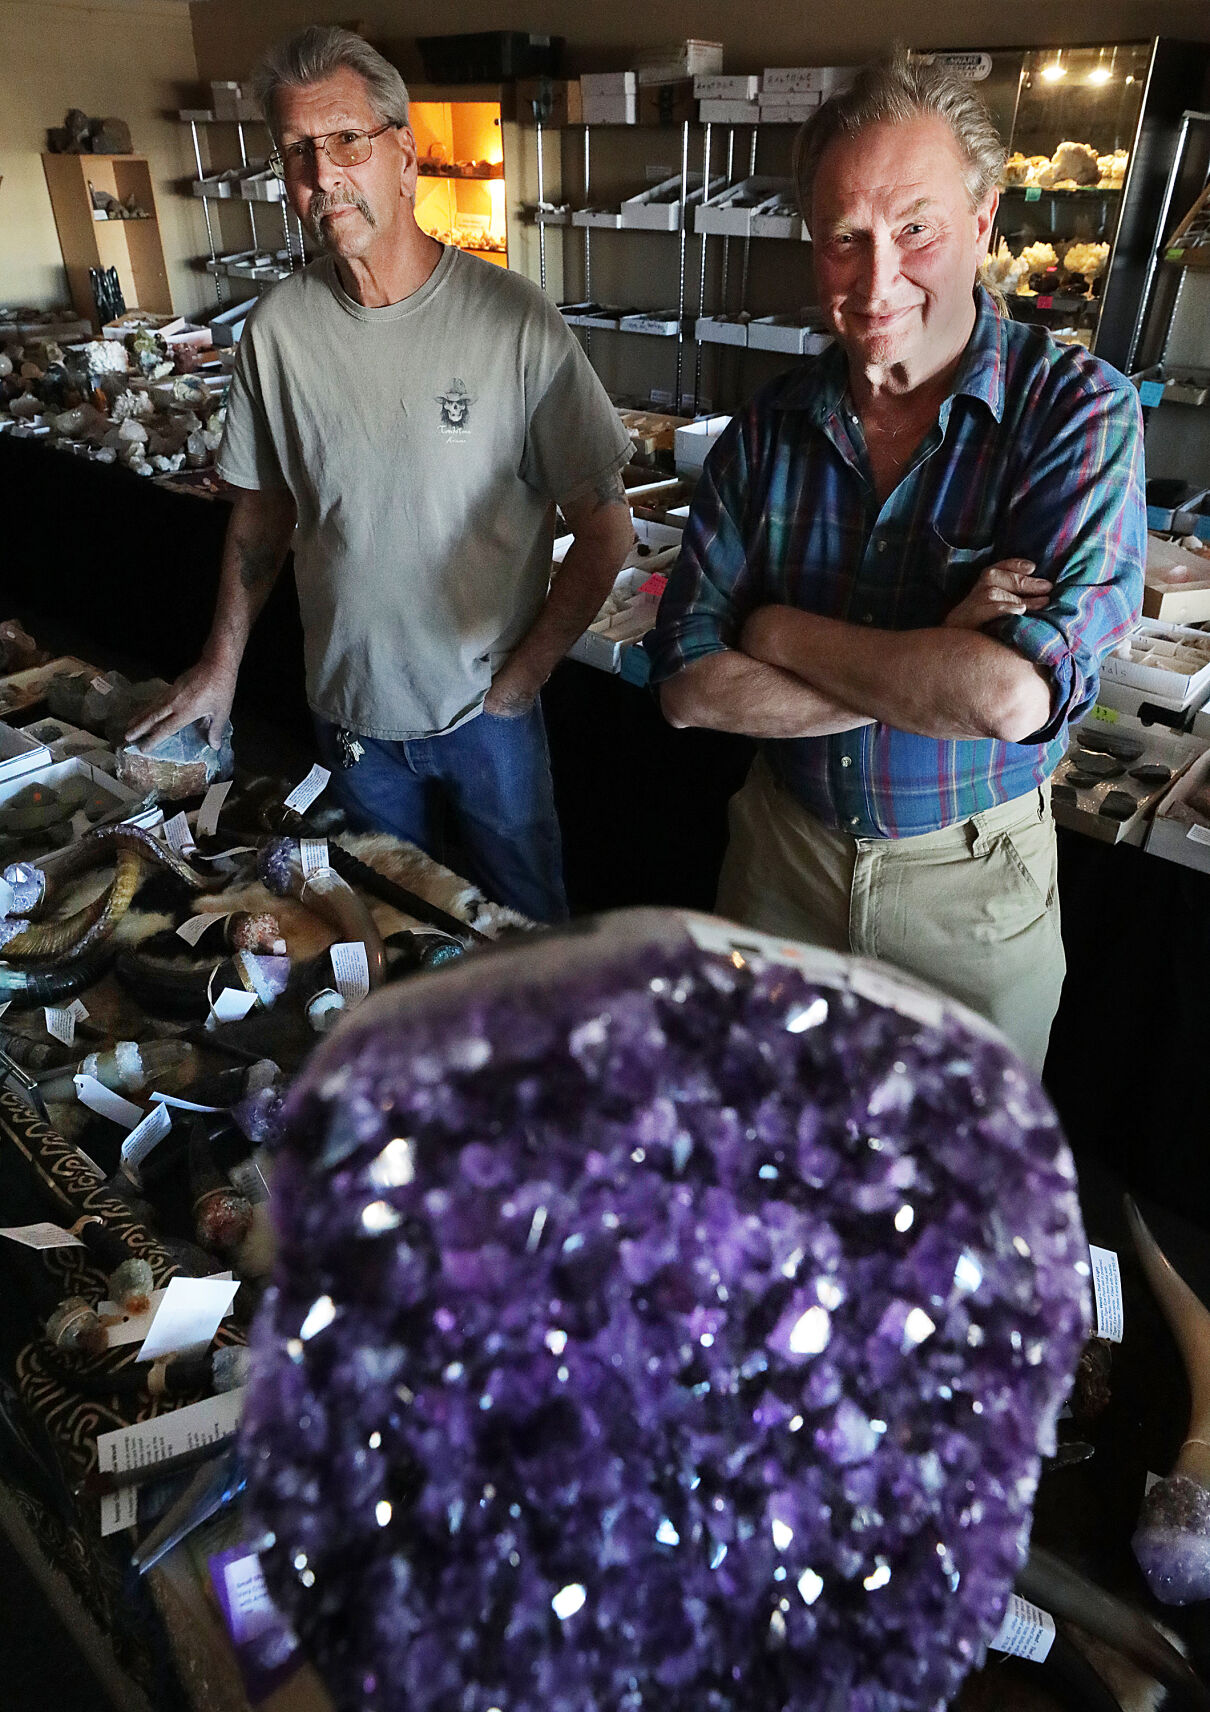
column 714, row 88
column 226, row 325
column 662, row 323
column 610, row 218
column 608, row 85
column 1173, row 838
column 1174, row 750
column 821, row 80
column 58, row 774
column 1183, row 683
column 611, row 110
column 560, row 98
column 20, row 754
column 589, row 315
column 1176, row 585
column 20, row 690
column 788, row 112
column 731, row 214
column 728, row 112
column 692, row 58
column 693, row 442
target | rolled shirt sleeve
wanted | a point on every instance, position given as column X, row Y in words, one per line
column 1079, row 514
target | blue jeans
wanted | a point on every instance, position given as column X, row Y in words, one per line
column 490, row 778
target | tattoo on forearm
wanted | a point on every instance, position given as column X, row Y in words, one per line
column 610, row 490
column 257, row 564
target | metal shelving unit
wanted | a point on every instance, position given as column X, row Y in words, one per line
column 292, row 231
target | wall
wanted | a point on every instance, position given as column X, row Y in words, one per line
column 230, row 33
column 130, row 59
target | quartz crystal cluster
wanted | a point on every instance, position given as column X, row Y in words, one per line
column 671, row 1331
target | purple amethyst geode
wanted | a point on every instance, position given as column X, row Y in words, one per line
column 655, row 1327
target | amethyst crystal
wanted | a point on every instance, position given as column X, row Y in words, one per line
column 1172, row 1541
column 657, row 1327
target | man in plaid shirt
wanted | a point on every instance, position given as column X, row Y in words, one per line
column 903, row 565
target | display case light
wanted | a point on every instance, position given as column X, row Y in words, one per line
column 1102, row 73
column 1054, row 70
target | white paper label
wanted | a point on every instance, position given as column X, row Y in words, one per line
column 119, row 1510
column 151, row 1442
column 5, row 1006
column 188, row 1316
column 143, row 1137
column 303, row 795
column 212, row 806
column 247, row 1593
column 162, row 1100
column 178, row 835
column 230, row 1006
column 192, row 930
column 1027, row 1631
column 101, row 685
column 313, row 856
column 221, row 855
column 1150, row 1481
column 61, row 1024
column 352, row 971
column 102, row 1100
column 41, row 1236
column 1107, row 1293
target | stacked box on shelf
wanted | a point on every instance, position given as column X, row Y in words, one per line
column 609, row 98
column 1176, row 584
column 688, row 59
column 720, row 330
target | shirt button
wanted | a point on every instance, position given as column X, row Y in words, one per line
column 867, row 618
column 882, row 546
column 846, row 760
column 856, row 820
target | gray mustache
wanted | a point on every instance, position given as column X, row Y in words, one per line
column 325, row 201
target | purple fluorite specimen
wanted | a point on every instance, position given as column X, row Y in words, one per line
column 650, row 1331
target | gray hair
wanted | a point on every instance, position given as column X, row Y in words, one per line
column 891, row 91
column 318, row 52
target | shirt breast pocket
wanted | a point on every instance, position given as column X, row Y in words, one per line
column 952, row 569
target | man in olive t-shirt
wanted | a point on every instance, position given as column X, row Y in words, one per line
column 410, row 415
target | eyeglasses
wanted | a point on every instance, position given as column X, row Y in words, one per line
column 343, row 148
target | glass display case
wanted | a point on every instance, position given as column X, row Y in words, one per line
column 460, row 190
column 1092, row 132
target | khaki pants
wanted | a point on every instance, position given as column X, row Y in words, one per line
column 973, row 908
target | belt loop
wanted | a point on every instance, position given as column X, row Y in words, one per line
column 981, row 843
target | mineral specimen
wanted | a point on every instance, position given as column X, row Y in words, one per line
column 181, row 765
column 659, row 1323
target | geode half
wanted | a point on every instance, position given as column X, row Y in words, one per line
column 663, row 1317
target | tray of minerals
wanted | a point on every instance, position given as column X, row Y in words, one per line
column 589, row 315
column 778, row 216
column 546, row 213
column 611, row 218
column 1170, row 662
column 26, row 689
column 261, row 184
column 21, row 752
column 1115, row 773
column 1061, row 277
column 1165, row 383
column 64, row 742
column 1172, row 504
column 722, row 329
column 661, row 323
column 1190, row 243
column 801, row 335
column 1176, row 583
column 1180, row 828
column 650, row 431
column 660, row 209
column 47, row 811
column 218, row 186
column 730, row 213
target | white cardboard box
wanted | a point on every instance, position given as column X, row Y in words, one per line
column 609, row 84
column 58, row 773
column 610, row 218
column 20, row 754
column 691, row 58
column 791, row 112
column 1173, row 689
column 805, row 79
column 693, row 442
column 611, row 110
column 662, row 323
column 1174, row 839
column 728, row 112
column 731, row 214
column 1176, row 583
column 718, row 88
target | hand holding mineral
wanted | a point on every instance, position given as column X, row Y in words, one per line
column 205, row 691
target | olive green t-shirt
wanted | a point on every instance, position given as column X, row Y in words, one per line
column 423, row 444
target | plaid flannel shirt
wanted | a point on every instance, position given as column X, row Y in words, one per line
column 1037, row 454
